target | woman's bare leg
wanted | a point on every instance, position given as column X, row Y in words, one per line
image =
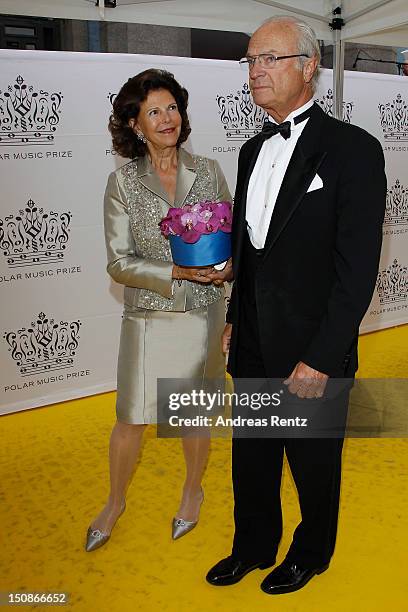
column 124, row 447
column 196, row 456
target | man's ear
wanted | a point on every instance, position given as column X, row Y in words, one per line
column 309, row 68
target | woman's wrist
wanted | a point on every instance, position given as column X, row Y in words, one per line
column 176, row 274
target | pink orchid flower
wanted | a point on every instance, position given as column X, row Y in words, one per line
column 193, row 220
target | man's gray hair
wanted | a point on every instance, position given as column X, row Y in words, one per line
column 307, row 41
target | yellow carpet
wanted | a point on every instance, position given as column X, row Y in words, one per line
column 54, row 480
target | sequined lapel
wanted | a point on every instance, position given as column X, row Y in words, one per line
column 147, row 176
column 185, row 177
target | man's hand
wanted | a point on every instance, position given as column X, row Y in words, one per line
column 226, row 338
column 306, row 382
column 218, row 277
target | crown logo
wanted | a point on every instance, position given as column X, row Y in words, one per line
column 394, row 119
column 239, row 115
column 111, row 97
column 327, row 104
column 44, row 346
column 34, row 237
column 396, row 210
column 392, row 283
column 28, row 116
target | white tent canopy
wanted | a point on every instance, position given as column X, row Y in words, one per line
column 383, row 22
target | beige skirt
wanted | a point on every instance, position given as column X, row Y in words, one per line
column 158, row 344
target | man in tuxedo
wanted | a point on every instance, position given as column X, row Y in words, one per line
column 306, row 241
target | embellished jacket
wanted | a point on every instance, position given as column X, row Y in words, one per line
column 139, row 257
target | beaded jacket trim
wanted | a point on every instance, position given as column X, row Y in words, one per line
column 145, row 212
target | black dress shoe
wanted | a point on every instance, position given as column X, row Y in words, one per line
column 232, row 570
column 288, row 577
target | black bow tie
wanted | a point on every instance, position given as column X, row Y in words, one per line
column 270, row 129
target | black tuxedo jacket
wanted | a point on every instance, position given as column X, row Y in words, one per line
column 321, row 255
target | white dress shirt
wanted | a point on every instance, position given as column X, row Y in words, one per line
column 267, row 176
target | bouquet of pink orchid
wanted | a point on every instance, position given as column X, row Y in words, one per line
column 194, row 220
column 199, row 233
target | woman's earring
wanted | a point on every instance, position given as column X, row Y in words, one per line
column 141, row 137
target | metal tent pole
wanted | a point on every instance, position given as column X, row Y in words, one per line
column 338, row 74
column 338, row 63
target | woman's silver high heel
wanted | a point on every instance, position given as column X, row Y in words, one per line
column 95, row 538
column 180, row 526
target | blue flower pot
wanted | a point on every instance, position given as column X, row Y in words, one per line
column 210, row 249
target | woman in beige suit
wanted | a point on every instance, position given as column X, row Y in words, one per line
column 173, row 317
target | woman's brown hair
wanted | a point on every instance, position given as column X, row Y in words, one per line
column 127, row 106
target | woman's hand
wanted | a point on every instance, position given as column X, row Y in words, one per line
column 226, row 338
column 197, row 275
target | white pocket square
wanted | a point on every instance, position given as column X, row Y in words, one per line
column 317, row 183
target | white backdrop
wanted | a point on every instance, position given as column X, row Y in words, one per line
column 60, row 315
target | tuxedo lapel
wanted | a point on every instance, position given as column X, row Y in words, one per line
column 251, row 157
column 247, row 164
column 304, row 163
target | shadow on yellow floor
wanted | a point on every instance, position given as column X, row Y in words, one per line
column 54, row 480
